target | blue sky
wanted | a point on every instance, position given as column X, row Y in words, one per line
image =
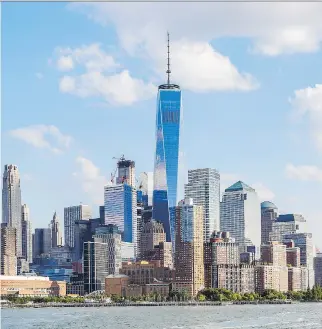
column 78, row 88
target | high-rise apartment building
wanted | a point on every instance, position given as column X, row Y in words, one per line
column 8, row 250
column 26, row 234
column 102, row 256
column 56, row 239
column 271, row 277
column 269, row 214
column 204, row 188
column 318, row 269
column 139, row 220
column 240, row 214
column 168, row 115
column 224, row 251
column 274, row 253
column 41, row 242
column 287, row 224
column 82, row 234
column 152, row 234
column 305, row 243
column 71, row 214
column 189, row 262
column 11, row 202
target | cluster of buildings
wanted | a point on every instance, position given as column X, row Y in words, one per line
column 146, row 241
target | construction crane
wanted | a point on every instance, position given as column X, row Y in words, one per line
column 113, row 174
column 140, row 184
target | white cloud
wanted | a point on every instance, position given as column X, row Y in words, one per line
column 304, row 173
column 65, row 63
column 307, row 102
column 275, row 28
column 91, row 179
column 118, row 89
column 42, row 136
column 198, row 67
column 97, row 81
column 92, row 57
column 39, row 75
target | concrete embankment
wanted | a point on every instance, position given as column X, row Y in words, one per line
column 145, row 304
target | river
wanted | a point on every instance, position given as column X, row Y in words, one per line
column 299, row 316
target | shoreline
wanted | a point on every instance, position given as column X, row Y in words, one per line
column 154, row 304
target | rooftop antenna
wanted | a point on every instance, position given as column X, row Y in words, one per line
column 168, row 70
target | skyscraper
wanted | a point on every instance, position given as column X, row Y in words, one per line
column 268, row 217
column 56, row 239
column 204, row 188
column 167, row 153
column 146, row 186
column 189, row 262
column 71, row 214
column 26, row 234
column 41, row 242
column 240, row 214
column 126, row 172
column 11, row 202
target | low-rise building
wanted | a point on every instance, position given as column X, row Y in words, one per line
column 31, row 286
column 116, row 284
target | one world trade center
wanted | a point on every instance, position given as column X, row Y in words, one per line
column 167, row 154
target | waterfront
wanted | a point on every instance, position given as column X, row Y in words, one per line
column 304, row 315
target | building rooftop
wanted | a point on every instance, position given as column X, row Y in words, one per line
column 267, row 205
column 23, row 277
column 239, row 186
column 113, row 276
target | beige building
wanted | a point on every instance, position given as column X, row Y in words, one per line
column 146, row 272
column 271, row 277
column 237, row 278
column 31, row 286
column 274, row 253
column 189, row 244
column 116, row 284
column 8, row 251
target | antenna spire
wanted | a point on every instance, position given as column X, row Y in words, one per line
column 168, row 70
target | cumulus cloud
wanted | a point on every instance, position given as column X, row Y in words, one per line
column 99, row 78
column 274, row 28
column 307, row 103
column 91, row 179
column 42, row 136
column 263, row 192
column 304, row 173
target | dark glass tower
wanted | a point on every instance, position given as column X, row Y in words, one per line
column 167, row 154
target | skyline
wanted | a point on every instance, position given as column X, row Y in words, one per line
column 266, row 133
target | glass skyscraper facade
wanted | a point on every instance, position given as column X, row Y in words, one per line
column 166, row 155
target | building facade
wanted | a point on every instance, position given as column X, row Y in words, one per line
column 26, row 232
column 152, row 234
column 120, row 203
column 11, row 202
column 71, row 214
column 56, row 239
column 189, row 252
column 240, row 214
column 8, row 250
column 204, row 188
column 318, row 269
column 41, row 242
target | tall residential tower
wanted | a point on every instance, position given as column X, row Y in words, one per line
column 26, row 234
column 204, row 188
column 11, row 202
column 168, row 116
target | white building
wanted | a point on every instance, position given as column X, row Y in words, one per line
column 26, row 234
column 71, row 214
column 240, row 214
column 204, row 188
column 11, row 202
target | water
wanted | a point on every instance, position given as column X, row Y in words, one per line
column 301, row 316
